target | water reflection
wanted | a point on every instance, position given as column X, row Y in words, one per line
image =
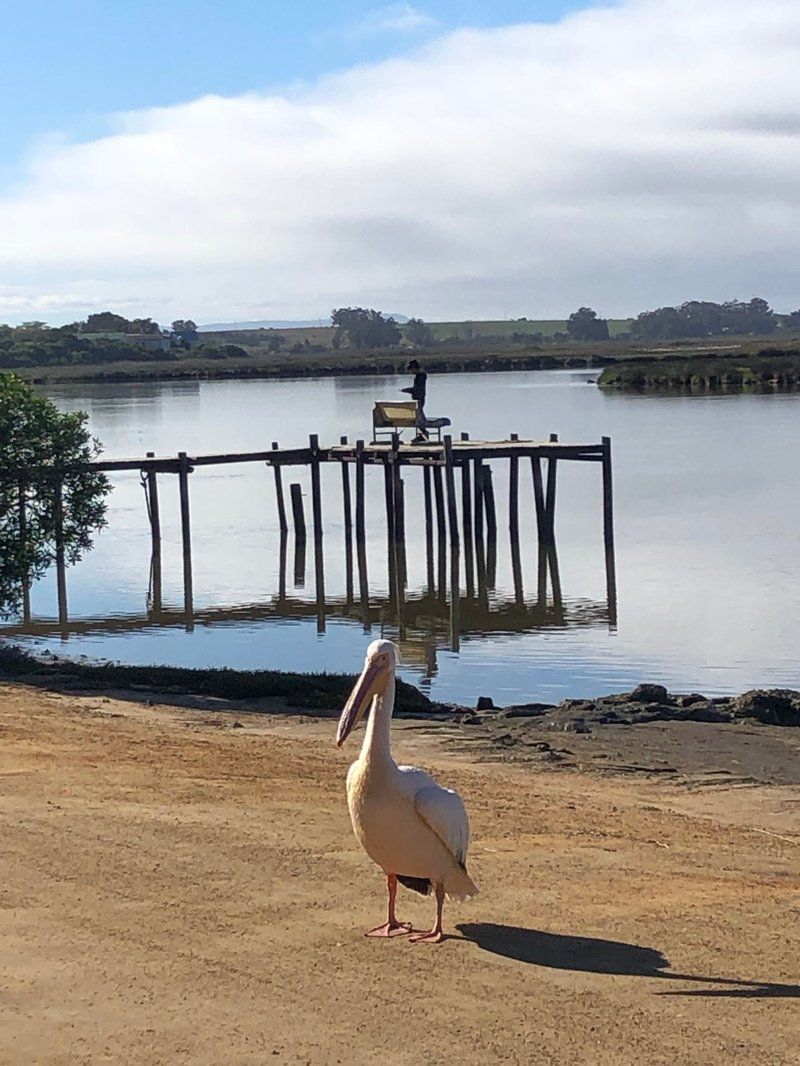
column 421, row 622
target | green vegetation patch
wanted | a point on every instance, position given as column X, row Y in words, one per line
column 767, row 370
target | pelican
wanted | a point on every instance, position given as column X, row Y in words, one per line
column 414, row 829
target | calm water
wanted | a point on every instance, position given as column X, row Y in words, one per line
column 707, row 497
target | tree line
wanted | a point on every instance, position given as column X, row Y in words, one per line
column 693, row 319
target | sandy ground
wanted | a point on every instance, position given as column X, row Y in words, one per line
column 176, row 889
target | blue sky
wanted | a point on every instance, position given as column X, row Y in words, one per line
column 245, row 160
column 67, row 63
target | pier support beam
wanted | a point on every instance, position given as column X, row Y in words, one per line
column 316, row 506
column 513, row 526
column 452, row 513
column 429, row 566
column 466, row 522
column 361, row 536
column 608, row 533
column 154, row 514
column 284, row 528
column 348, row 527
column 186, row 536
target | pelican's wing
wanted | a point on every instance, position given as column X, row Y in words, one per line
column 443, row 810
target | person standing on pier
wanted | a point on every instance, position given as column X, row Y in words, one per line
column 417, row 392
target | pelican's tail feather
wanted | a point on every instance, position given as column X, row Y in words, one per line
column 459, row 885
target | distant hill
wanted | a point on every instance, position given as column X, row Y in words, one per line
column 278, row 323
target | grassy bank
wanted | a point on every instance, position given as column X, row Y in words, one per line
column 774, row 369
column 303, row 691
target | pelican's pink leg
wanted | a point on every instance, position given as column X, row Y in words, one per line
column 392, row 927
column 435, row 936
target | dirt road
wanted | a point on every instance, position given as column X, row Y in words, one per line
column 179, row 890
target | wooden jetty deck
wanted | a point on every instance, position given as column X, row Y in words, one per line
column 460, row 512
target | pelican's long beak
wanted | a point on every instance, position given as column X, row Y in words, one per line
column 371, row 683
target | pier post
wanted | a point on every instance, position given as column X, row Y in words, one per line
column 452, row 513
column 316, row 506
column 186, row 536
column 298, row 514
column 550, row 499
column 388, row 490
column 441, row 530
column 279, row 493
column 426, row 485
column 538, row 499
column 23, row 544
column 154, row 512
column 299, row 521
column 480, row 551
column 348, row 527
column 466, row 522
column 282, row 567
column 608, row 533
column 513, row 524
column 361, row 537
column 487, row 491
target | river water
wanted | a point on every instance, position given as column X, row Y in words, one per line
column 707, row 515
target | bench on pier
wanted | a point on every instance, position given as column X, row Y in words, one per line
column 393, row 416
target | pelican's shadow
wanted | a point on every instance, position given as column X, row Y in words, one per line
column 591, row 955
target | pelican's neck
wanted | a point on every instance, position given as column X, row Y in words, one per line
column 377, row 744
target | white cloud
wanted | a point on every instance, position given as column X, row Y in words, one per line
column 625, row 157
column 396, row 18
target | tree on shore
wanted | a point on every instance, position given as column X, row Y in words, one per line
column 584, row 325
column 365, row 328
column 185, row 330
column 418, row 333
column 697, row 318
column 40, row 448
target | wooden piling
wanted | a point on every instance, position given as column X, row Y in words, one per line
column 441, row 531
column 487, row 492
column 361, row 536
column 186, row 535
column 298, row 514
column 513, row 525
column 316, row 507
column 426, row 484
column 361, row 533
column 538, row 499
column 550, row 497
column 299, row 562
column 348, row 527
column 388, row 491
column 282, row 552
column 284, row 527
column 299, row 521
column 466, row 523
column 480, row 549
column 154, row 513
column 608, row 533
column 452, row 514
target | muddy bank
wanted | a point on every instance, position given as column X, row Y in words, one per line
column 686, row 738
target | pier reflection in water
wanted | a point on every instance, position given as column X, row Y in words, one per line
column 450, row 490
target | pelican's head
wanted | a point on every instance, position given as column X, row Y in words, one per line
column 379, row 668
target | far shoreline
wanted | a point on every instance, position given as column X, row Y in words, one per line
column 631, row 367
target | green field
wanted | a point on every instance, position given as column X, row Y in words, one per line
column 548, row 327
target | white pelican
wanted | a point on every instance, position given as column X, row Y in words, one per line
column 414, row 829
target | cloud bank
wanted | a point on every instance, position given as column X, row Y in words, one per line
column 624, row 157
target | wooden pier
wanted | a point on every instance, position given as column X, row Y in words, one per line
column 460, row 514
